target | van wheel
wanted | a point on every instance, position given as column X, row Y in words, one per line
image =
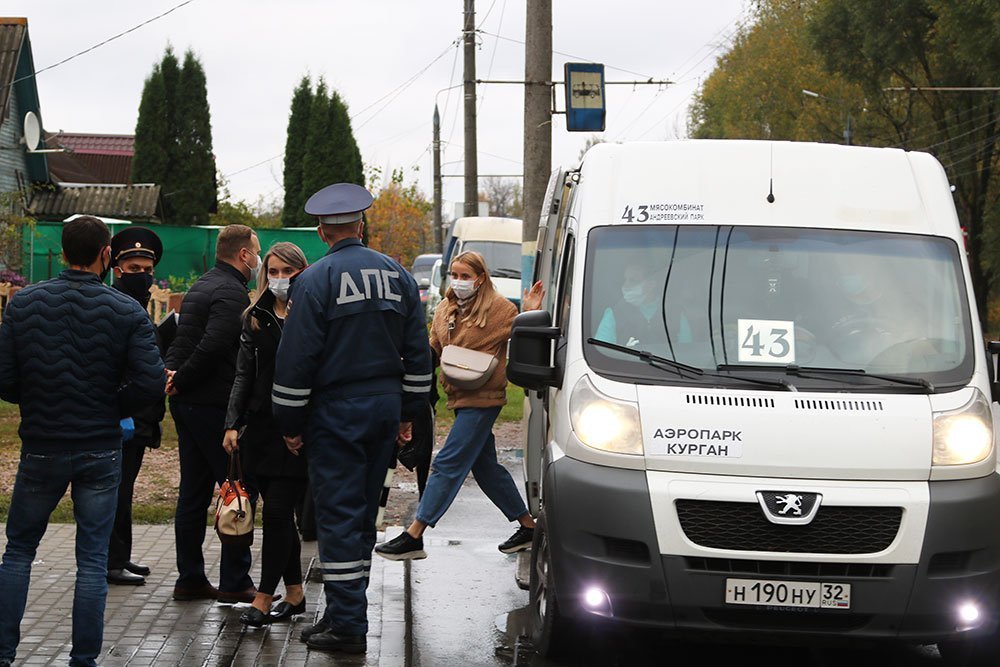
column 980, row 651
column 551, row 632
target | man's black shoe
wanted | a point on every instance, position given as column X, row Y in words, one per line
column 137, row 569
column 328, row 640
column 125, row 578
column 402, row 547
column 204, row 592
column 519, row 541
column 322, row 626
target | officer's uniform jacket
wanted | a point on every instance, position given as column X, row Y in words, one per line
column 355, row 327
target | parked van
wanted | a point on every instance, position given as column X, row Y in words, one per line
column 760, row 401
column 498, row 240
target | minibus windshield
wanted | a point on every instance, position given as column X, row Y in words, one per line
column 502, row 258
column 760, row 301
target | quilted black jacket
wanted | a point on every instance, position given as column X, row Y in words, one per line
column 77, row 356
column 204, row 348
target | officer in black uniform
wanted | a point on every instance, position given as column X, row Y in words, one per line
column 353, row 370
column 135, row 251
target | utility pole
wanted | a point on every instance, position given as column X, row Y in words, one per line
column 537, row 125
column 436, row 149
column 471, row 167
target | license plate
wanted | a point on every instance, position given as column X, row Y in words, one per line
column 808, row 594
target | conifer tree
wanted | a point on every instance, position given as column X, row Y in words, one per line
column 151, row 131
column 295, row 149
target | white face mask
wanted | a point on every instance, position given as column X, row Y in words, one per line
column 464, row 288
column 254, row 270
column 279, row 287
column 633, row 294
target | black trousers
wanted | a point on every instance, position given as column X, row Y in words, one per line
column 120, row 546
column 203, row 465
column 281, row 552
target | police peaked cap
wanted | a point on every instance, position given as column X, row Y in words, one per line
column 136, row 242
column 339, row 204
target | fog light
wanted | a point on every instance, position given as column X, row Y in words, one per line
column 595, row 598
column 968, row 613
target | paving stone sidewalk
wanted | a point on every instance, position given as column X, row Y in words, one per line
column 145, row 626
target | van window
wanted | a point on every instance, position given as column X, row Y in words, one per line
column 503, row 259
column 759, row 300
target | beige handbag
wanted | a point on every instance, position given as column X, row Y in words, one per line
column 464, row 368
column 233, row 510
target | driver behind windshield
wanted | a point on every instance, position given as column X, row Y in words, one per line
column 636, row 319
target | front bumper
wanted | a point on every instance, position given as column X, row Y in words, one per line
column 602, row 534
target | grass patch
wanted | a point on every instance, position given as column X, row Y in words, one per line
column 512, row 412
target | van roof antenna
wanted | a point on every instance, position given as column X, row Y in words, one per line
column 770, row 192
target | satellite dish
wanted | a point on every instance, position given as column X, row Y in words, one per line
column 32, row 131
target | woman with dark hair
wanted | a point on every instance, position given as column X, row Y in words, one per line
column 278, row 474
column 475, row 316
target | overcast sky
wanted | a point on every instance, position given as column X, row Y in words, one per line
column 255, row 51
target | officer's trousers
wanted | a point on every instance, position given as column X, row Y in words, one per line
column 349, row 442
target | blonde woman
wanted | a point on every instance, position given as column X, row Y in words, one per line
column 279, row 475
column 473, row 315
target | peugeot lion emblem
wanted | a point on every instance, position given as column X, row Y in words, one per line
column 789, row 507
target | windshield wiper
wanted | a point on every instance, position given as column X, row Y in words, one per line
column 665, row 364
column 792, row 369
column 648, row 357
column 505, row 273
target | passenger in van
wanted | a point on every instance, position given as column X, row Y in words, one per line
column 475, row 316
column 636, row 320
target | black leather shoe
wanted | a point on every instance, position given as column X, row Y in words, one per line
column 314, row 630
column 125, row 578
column 284, row 611
column 255, row 618
column 137, row 569
column 328, row 640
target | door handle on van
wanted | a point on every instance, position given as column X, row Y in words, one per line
column 529, row 361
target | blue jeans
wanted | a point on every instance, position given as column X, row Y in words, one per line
column 41, row 481
column 470, row 446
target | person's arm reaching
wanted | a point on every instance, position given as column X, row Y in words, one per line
column 144, row 374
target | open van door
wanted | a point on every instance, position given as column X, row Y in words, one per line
column 535, row 421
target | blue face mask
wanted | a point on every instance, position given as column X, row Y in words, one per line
column 852, row 285
column 633, row 294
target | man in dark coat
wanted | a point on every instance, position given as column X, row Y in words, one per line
column 135, row 251
column 202, row 365
column 76, row 356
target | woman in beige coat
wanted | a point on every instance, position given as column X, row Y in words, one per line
column 474, row 316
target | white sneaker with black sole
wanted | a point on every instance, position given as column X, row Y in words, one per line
column 402, row 547
column 519, row 541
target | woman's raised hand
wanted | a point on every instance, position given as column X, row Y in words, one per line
column 532, row 299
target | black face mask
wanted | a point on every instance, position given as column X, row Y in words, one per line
column 136, row 285
column 104, row 271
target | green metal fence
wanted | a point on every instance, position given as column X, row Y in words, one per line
column 186, row 250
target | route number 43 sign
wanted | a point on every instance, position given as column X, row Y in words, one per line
column 766, row 341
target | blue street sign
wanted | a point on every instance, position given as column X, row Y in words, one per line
column 584, row 85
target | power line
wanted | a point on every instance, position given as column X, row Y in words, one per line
column 569, row 55
column 96, row 46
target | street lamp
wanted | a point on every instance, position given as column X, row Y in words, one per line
column 848, row 129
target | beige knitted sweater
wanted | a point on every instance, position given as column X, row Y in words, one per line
column 490, row 338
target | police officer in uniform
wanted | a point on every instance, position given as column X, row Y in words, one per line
column 353, row 370
column 135, row 251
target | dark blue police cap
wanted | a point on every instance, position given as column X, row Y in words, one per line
column 339, row 203
column 136, row 242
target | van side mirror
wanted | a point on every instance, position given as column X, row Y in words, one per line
column 993, row 347
column 529, row 361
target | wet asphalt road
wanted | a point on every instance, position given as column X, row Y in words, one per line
column 466, row 609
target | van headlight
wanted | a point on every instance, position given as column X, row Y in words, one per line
column 604, row 423
column 964, row 435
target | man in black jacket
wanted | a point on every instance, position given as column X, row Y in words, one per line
column 135, row 252
column 202, row 365
column 77, row 356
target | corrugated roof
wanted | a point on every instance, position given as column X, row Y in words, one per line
column 132, row 202
column 11, row 36
column 95, row 144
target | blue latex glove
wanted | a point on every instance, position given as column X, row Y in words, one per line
column 128, row 429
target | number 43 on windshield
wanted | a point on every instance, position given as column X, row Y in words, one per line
column 766, row 341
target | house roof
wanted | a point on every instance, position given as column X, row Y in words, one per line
column 92, row 158
column 12, row 31
column 130, row 202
